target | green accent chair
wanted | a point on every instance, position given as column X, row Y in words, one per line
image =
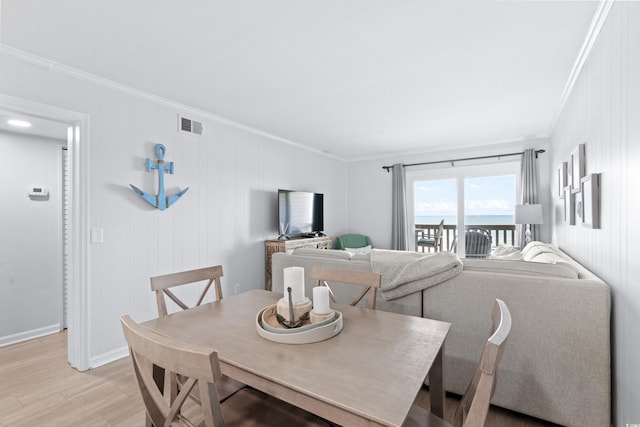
column 353, row 241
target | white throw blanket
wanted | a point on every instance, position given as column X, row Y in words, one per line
column 406, row 272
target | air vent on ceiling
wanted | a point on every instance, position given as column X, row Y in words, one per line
column 191, row 126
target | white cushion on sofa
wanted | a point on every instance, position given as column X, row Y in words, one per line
column 362, row 250
column 323, row 253
column 547, row 253
column 499, row 266
column 506, row 252
column 534, row 248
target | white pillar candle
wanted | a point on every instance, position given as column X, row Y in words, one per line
column 294, row 279
column 321, row 300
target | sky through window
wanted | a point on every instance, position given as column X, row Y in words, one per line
column 488, row 200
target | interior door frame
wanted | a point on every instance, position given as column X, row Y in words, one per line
column 78, row 146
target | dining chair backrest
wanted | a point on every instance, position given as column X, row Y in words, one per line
column 173, row 382
column 199, row 365
column 161, row 285
column 474, row 406
column 370, row 282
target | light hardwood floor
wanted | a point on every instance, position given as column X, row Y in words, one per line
column 41, row 389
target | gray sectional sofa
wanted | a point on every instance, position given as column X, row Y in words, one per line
column 556, row 365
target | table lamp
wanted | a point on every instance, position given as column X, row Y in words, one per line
column 528, row 214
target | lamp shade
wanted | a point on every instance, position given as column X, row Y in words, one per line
column 528, row 214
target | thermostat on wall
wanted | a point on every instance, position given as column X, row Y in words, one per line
column 38, row 191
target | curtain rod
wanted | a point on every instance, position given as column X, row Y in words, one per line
column 388, row 168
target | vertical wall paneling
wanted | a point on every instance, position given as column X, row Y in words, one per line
column 233, row 173
column 603, row 112
column 630, row 250
column 143, row 124
column 37, row 83
column 10, row 81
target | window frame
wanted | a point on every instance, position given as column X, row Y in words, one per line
column 460, row 173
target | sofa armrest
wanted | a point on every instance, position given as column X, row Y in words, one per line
column 556, row 365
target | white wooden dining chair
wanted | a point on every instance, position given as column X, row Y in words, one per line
column 200, row 367
column 162, row 286
column 474, row 406
column 369, row 280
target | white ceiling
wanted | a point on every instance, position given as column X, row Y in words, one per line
column 357, row 78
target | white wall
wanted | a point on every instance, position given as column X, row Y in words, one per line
column 370, row 186
column 604, row 113
column 233, row 175
column 31, row 235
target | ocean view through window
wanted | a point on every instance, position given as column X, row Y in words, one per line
column 488, row 200
column 485, row 201
column 469, row 219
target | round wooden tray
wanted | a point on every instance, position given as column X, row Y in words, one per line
column 268, row 327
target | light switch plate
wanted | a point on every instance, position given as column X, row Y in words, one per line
column 97, row 235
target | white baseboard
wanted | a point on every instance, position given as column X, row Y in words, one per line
column 103, row 359
column 109, row 357
column 29, row 335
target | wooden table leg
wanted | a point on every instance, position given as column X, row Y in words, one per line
column 436, row 384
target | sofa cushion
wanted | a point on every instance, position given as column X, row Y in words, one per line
column 323, row 253
column 556, row 259
column 534, row 248
column 506, row 252
column 361, row 257
column 521, row 268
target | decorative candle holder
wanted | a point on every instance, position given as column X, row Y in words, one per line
column 321, row 309
column 317, row 318
column 292, row 315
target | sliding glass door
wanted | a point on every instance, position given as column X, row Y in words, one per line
column 434, row 200
column 479, row 200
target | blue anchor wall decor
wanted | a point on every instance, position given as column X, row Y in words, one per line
column 161, row 201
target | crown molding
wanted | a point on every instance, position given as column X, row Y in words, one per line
column 597, row 22
column 525, row 142
column 182, row 108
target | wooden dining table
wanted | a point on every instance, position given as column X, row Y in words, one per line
column 368, row 374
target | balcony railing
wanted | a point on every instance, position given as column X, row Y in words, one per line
column 503, row 234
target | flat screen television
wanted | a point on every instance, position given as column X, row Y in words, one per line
column 300, row 213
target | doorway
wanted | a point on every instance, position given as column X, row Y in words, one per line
column 77, row 250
